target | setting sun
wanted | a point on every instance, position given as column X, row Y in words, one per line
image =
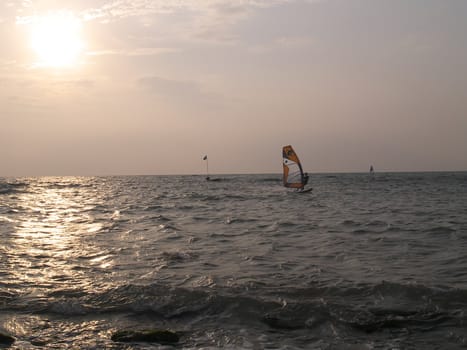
column 56, row 39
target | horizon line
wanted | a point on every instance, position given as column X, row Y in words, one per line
column 243, row 173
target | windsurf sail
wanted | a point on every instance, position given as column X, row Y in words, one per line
column 293, row 176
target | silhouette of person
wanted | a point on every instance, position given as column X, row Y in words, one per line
column 305, row 179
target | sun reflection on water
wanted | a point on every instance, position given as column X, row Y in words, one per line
column 47, row 246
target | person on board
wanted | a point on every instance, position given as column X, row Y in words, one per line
column 305, row 179
column 304, row 182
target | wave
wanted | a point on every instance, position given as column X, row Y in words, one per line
column 7, row 188
column 441, row 230
column 296, row 318
column 362, row 308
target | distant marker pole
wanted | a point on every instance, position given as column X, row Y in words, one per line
column 207, row 166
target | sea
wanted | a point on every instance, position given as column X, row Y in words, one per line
column 363, row 261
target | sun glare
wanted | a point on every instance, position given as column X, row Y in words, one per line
column 56, row 39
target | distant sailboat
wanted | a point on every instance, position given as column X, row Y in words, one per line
column 293, row 175
column 371, row 173
column 208, row 178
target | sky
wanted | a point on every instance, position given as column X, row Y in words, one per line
column 134, row 87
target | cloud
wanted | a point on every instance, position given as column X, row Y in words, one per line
column 208, row 18
column 126, row 8
column 178, row 20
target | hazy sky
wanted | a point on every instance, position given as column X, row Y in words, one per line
column 150, row 86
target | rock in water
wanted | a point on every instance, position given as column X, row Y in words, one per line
column 6, row 339
column 161, row 336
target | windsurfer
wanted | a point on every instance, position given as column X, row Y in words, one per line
column 293, row 175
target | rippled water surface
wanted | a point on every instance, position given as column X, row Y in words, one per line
column 361, row 262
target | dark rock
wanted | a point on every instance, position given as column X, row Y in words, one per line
column 161, row 336
column 6, row 339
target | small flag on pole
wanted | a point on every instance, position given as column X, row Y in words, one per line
column 205, row 157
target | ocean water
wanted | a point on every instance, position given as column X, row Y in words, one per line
column 361, row 262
